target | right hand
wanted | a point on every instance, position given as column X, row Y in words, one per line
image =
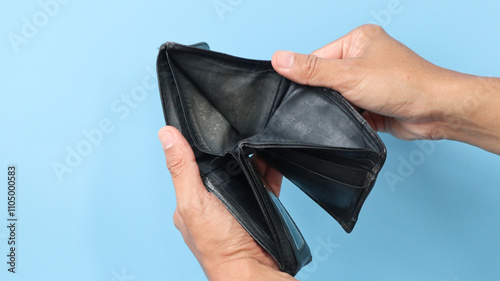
column 402, row 93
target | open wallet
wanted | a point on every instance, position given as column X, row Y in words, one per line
column 230, row 109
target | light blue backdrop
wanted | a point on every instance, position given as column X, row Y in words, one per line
column 71, row 67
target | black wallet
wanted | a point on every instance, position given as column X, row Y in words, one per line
column 230, row 108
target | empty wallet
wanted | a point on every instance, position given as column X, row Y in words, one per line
column 230, row 108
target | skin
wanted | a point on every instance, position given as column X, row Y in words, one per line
column 223, row 248
column 400, row 93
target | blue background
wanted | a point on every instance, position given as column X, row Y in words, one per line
column 110, row 218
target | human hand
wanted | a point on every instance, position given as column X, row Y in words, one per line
column 223, row 248
column 402, row 93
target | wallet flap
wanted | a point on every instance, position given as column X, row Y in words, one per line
column 222, row 98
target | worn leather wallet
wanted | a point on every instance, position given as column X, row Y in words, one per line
column 230, row 108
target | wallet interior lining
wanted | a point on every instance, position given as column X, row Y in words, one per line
column 225, row 112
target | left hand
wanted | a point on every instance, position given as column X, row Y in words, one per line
column 222, row 246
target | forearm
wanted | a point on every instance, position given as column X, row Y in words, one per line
column 472, row 110
column 246, row 270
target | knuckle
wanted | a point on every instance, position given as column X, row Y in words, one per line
column 177, row 165
column 177, row 219
column 310, row 67
column 184, row 213
column 194, row 208
column 354, row 83
column 372, row 30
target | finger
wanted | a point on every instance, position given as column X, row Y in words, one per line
column 270, row 176
column 259, row 164
column 370, row 118
column 376, row 121
column 311, row 69
column 182, row 165
column 274, row 178
column 350, row 45
column 333, row 50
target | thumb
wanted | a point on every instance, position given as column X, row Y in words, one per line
column 309, row 69
column 182, row 165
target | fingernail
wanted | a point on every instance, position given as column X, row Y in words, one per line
column 285, row 59
column 167, row 140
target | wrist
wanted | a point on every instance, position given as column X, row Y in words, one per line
column 469, row 110
column 451, row 95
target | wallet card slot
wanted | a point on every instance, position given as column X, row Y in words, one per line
column 338, row 199
column 348, row 157
column 328, row 169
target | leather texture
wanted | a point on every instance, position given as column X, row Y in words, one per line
column 231, row 108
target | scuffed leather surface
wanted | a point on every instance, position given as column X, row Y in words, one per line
column 229, row 108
